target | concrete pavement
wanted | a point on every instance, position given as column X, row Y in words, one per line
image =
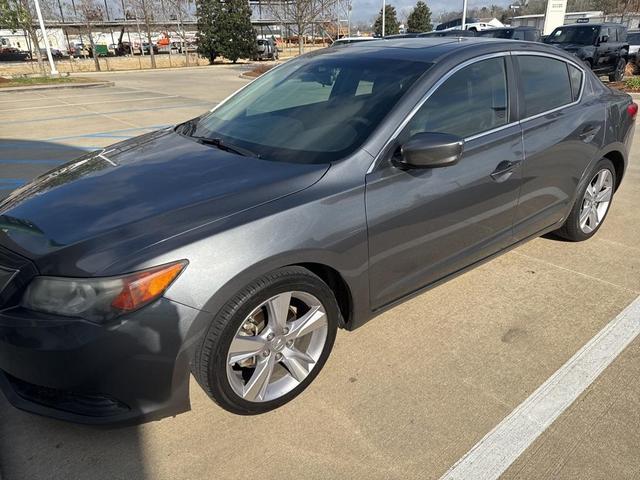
column 403, row 397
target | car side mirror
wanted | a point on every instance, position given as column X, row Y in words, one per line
column 430, row 150
column 604, row 38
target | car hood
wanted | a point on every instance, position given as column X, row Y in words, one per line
column 155, row 186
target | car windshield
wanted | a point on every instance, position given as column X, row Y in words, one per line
column 579, row 35
column 633, row 38
column 315, row 109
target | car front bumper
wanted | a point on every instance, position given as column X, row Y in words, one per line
column 133, row 371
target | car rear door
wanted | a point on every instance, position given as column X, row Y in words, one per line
column 562, row 131
column 425, row 224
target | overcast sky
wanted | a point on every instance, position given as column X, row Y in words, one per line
column 366, row 10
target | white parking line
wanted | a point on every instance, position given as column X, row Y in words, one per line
column 90, row 103
column 502, row 446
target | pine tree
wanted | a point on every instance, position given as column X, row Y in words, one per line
column 224, row 28
column 419, row 19
column 391, row 25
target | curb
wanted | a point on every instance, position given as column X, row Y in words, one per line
column 58, row 87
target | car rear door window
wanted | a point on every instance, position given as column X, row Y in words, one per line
column 545, row 84
column 471, row 101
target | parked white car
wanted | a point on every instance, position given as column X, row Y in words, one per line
column 470, row 24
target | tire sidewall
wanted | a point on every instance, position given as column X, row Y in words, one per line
column 217, row 372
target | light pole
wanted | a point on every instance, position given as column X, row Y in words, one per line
column 464, row 14
column 383, row 15
column 45, row 38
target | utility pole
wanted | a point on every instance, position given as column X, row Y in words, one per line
column 383, row 15
column 45, row 38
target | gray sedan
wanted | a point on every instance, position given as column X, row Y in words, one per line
column 233, row 246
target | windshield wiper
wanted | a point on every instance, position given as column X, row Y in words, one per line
column 217, row 142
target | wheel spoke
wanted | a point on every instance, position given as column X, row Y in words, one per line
column 298, row 363
column 593, row 218
column 599, row 181
column 243, row 347
column 256, row 387
column 278, row 311
column 604, row 195
column 312, row 320
column 584, row 216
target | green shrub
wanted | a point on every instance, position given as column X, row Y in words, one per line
column 632, row 83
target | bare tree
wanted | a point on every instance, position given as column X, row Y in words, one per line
column 302, row 14
column 90, row 11
column 18, row 15
column 179, row 8
column 146, row 7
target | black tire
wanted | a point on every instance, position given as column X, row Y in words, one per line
column 209, row 363
column 571, row 229
column 618, row 74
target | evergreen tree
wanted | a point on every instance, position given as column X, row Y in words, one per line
column 391, row 25
column 224, row 28
column 419, row 19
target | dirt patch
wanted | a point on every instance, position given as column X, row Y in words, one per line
column 257, row 71
column 630, row 85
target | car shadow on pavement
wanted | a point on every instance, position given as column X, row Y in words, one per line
column 33, row 447
column 24, row 160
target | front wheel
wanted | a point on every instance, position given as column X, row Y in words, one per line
column 618, row 74
column 592, row 204
column 269, row 342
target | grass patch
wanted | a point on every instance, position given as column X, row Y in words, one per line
column 31, row 81
column 632, row 84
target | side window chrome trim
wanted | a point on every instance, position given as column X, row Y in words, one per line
column 426, row 96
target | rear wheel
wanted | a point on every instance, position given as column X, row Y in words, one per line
column 592, row 206
column 269, row 342
column 618, row 74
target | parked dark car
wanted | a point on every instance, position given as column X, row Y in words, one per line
column 448, row 33
column 234, row 245
column 603, row 46
column 348, row 40
column 530, row 34
column 633, row 39
column 266, row 49
column 147, row 50
column 55, row 53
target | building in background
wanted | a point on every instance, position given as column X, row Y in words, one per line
column 630, row 20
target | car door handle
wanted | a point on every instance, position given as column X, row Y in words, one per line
column 504, row 170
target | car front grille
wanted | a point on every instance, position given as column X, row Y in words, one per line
column 88, row 405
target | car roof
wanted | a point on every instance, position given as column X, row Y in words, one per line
column 603, row 24
column 431, row 49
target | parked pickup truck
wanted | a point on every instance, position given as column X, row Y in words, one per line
column 602, row 46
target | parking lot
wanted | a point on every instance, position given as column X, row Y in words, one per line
column 407, row 395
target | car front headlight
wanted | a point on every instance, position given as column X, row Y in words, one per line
column 100, row 299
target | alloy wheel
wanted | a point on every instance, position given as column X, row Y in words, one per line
column 276, row 346
column 596, row 200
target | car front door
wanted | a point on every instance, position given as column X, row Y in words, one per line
column 425, row 224
column 562, row 131
column 605, row 49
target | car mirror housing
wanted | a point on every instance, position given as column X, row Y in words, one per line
column 604, row 38
column 430, row 150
